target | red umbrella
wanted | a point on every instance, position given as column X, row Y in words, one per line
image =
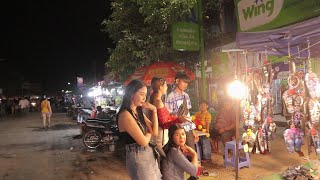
column 166, row 70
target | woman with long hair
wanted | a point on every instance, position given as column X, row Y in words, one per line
column 176, row 163
column 159, row 88
column 136, row 131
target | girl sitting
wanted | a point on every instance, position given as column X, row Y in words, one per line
column 176, row 163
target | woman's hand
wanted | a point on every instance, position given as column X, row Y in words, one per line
column 195, row 136
column 188, row 151
column 149, row 106
column 221, row 130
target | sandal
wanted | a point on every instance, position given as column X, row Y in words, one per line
column 205, row 173
column 212, row 174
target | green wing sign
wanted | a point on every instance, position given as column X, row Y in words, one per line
column 262, row 15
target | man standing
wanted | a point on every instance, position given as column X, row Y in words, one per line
column 24, row 105
column 173, row 102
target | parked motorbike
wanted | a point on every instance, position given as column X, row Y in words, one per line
column 73, row 111
column 99, row 132
column 83, row 114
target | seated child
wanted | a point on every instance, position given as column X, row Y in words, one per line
column 203, row 118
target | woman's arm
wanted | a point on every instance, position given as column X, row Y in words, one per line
column 181, row 161
column 152, row 123
column 49, row 107
column 164, row 117
column 128, row 124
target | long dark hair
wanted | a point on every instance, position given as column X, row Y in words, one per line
column 131, row 89
column 171, row 144
column 156, row 83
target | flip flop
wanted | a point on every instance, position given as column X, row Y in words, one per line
column 205, row 173
column 211, row 174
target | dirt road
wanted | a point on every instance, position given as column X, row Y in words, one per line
column 28, row 152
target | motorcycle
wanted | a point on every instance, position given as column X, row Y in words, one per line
column 99, row 132
column 83, row 114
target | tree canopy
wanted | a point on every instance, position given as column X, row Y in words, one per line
column 140, row 30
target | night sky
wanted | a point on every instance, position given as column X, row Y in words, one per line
column 52, row 42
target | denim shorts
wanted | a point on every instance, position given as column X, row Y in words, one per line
column 141, row 163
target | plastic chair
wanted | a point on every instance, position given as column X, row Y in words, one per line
column 231, row 145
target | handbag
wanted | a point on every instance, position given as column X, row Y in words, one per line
column 183, row 108
column 158, row 152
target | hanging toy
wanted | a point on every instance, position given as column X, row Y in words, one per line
column 248, row 140
column 293, row 138
column 312, row 84
column 314, row 111
column 292, row 99
column 261, row 143
column 272, row 127
column 297, row 117
column 249, row 114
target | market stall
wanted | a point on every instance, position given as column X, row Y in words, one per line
column 107, row 95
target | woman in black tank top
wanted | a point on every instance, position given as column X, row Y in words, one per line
column 136, row 131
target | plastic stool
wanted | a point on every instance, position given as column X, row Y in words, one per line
column 231, row 145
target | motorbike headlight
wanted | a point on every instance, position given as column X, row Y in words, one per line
column 33, row 104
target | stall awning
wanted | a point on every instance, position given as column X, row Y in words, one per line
column 277, row 41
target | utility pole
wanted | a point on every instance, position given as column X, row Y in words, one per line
column 202, row 54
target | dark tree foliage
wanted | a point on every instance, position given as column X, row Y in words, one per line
column 140, row 30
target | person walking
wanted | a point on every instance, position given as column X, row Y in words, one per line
column 136, row 130
column 46, row 112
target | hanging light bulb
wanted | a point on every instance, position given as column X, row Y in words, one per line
column 236, row 89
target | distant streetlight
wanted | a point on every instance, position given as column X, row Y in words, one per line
column 69, row 83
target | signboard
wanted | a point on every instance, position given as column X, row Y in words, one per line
column 80, row 82
column 185, row 36
column 262, row 15
column 186, row 33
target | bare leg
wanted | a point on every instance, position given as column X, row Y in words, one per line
column 49, row 118
column 44, row 120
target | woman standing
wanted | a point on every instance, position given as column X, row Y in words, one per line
column 136, row 131
column 176, row 163
column 46, row 112
column 159, row 87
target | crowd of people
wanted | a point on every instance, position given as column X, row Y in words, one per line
column 14, row 106
column 166, row 123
